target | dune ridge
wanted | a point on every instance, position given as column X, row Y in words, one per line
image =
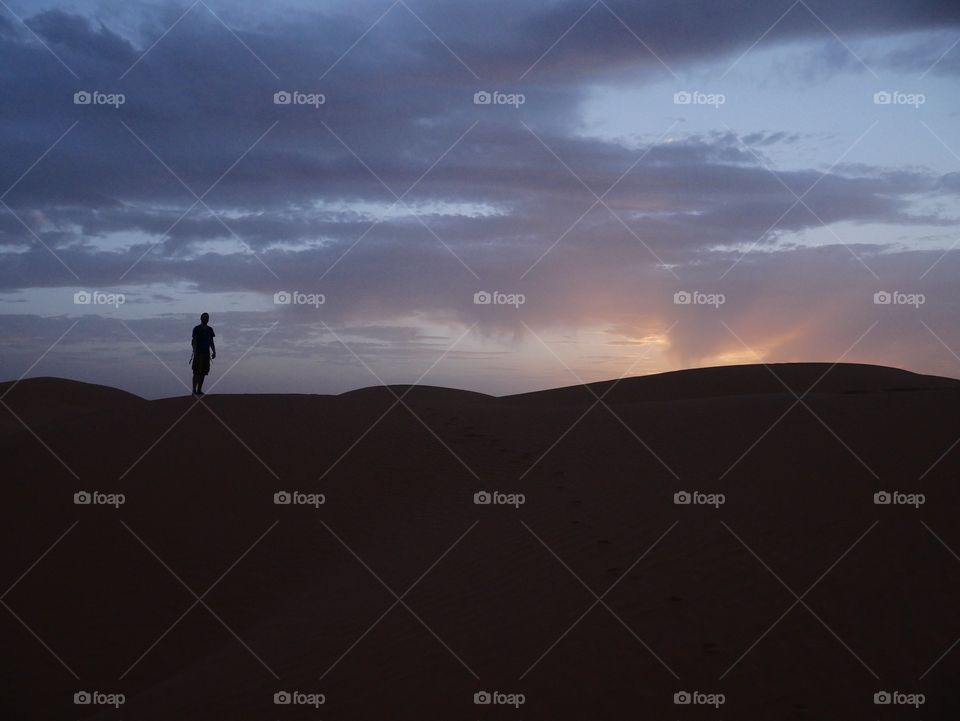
column 299, row 592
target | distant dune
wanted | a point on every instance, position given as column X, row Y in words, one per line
column 695, row 598
column 51, row 400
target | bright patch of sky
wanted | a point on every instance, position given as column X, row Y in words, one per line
column 382, row 211
column 788, row 87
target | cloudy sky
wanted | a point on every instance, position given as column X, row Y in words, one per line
column 634, row 187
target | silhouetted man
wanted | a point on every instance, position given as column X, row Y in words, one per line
column 203, row 345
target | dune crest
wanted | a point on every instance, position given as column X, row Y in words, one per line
column 690, row 502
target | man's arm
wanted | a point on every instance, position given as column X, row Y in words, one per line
column 213, row 348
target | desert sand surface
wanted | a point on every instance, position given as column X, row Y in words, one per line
column 399, row 597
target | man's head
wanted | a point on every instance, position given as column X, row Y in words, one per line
column 204, row 317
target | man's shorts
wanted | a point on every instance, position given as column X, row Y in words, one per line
column 201, row 364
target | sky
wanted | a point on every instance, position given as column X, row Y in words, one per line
column 496, row 196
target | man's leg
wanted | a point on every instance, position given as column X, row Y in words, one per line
column 200, row 384
column 196, row 382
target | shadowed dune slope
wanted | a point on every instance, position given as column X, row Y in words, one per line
column 495, row 597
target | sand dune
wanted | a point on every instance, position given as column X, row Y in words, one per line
column 699, row 597
column 38, row 401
